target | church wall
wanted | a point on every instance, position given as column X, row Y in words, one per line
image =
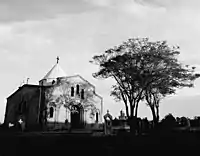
column 60, row 94
column 34, row 102
column 32, row 110
column 98, row 104
column 28, row 98
column 32, row 98
column 11, row 109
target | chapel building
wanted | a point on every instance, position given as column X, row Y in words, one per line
column 58, row 100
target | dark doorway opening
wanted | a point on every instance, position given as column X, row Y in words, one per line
column 77, row 120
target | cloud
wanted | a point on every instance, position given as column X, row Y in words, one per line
column 100, row 3
column 174, row 5
column 142, row 9
column 35, row 36
column 21, row 10
column 18, row 47
column 138, row 8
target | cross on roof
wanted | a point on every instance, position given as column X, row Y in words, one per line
column 57, row 59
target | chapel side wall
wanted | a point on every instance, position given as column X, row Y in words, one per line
column 32, row 112
column 34, row 104
column 30, row 95
column 6, row 114
column 12, row 106
column 9, row 115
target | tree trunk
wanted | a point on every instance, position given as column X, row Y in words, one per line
column 137, row 127
column 157, row 113
column 132, row 123
column 154, row 115
column 136, row 109
column 131, row 110
column 127, row 111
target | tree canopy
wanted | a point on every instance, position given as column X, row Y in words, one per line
column 143, row 69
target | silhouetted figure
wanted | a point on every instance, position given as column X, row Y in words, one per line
column 108, row 123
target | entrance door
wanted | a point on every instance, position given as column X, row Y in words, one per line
column 76, row 117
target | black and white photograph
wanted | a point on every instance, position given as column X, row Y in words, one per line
column 99, row 77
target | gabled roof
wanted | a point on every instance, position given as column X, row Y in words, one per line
column 55, row 72
column 74, row 76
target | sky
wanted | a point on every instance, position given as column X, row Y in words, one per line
column 34, row 33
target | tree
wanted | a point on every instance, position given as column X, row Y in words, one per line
column 140, row 67
column 171, row 75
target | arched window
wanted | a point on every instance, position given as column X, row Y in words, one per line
column 77, row 89
column 72, row 91
column 51, row 112
column 82, row 93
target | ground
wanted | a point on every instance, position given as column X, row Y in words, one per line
column 52, row 144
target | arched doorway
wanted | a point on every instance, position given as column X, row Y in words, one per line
column 77, row 115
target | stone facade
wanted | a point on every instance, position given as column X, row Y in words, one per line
column 74, row 100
